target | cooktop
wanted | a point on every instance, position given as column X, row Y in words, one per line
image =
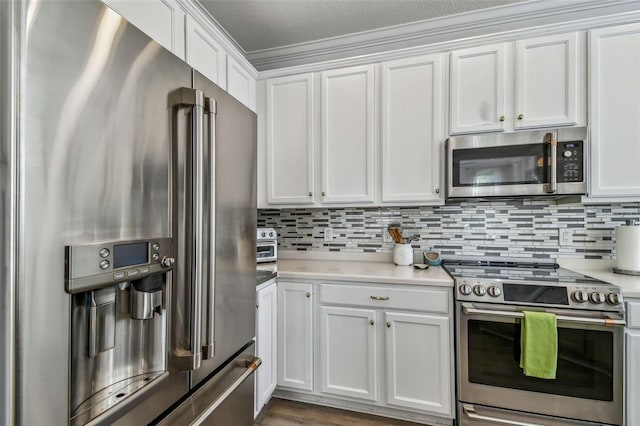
column 542, row 284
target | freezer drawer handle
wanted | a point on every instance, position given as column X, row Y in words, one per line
column 251, row 367
column 471, row 310
column 471, row 413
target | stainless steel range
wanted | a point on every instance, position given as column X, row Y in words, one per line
column 490, row 300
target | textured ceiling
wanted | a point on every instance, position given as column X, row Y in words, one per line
column 263, row 24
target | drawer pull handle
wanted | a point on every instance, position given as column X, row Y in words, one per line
column 380, row 297
column 371, row 322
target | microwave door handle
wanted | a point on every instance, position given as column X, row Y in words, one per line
column 208, row 346
column 469, row 309
column 553, row 148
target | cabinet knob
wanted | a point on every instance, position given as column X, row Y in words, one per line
column 371, row 322
column 323, row 194
column 437, row 190
column 388, row 324
column 308, row 294
column 501, row 118
column 520, row 116
column 310, row 194
column 257, row 305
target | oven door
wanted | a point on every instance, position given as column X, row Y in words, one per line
column 266, row 251
column 588, row 384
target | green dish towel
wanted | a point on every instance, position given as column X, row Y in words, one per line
column 539, row 345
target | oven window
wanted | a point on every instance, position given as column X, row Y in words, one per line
column 508, row 165
column 585, row 361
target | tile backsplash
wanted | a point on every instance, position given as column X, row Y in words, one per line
column 511, row 228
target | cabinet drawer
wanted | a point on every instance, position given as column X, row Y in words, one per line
column 386, row 297
column 633, row 314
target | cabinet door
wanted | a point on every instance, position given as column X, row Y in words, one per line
column 240, row 84
column 290, row 141
column 547, row 81
column 614, row 106
column 419, row 362
column 266, row 344
column 632, row 377
column 295, row 335
column 205, row 54
column 412, row 129
column 477, row 89
column 348, row 352
column 162, row 20
column 347, row 135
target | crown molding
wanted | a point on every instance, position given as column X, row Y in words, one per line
column 209, row 23
column 463, row 43
column 502, row 19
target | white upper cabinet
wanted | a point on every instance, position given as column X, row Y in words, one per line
column 477, row 89
column 162, row 20
column 412, row 129
column 547, row 81
column 530, row 83
column 614, row 112
column 240, row 84
column 290, row 140
column 205, row 54
column 347, row 120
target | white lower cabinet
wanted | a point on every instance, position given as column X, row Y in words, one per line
column 381, row 348
column 419, row 361
column 266, row 343
column 295, row 335
column 632, row 363
column 348, row 352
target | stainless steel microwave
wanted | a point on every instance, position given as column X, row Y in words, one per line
column 517, row 164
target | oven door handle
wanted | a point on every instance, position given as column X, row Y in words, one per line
column 469, row 309
column 470, row 411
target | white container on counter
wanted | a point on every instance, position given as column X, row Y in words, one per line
column 403, row 254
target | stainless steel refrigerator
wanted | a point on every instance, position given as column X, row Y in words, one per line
column 127, row 227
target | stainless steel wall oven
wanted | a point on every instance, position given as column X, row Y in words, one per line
column 492, row 388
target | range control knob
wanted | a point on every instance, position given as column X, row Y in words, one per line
column 167, row 262
column 479, row 290
column 494, row 291
column 465, row 289
column 271, row 234
column 263, row 235
column 580, row 296
column 597, row 297
column 567, row 154
column 613, row 298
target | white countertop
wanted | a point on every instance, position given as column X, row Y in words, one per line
column 601, row 269
column 354, row 270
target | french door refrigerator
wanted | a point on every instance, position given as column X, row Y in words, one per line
column 127, row 225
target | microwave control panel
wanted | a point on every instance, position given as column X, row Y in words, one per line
column 570, row 162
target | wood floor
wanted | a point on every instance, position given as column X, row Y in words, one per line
column 281, row 412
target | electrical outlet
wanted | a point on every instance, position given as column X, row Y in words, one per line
column 328, row 234
column 386, row 236
column 565, row 237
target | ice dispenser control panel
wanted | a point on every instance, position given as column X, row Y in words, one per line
column 93, row 266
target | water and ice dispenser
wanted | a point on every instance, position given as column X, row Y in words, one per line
column 118, row 320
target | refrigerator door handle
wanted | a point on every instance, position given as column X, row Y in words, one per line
column 194, row 98
column 208, row 346
column 251, row 367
